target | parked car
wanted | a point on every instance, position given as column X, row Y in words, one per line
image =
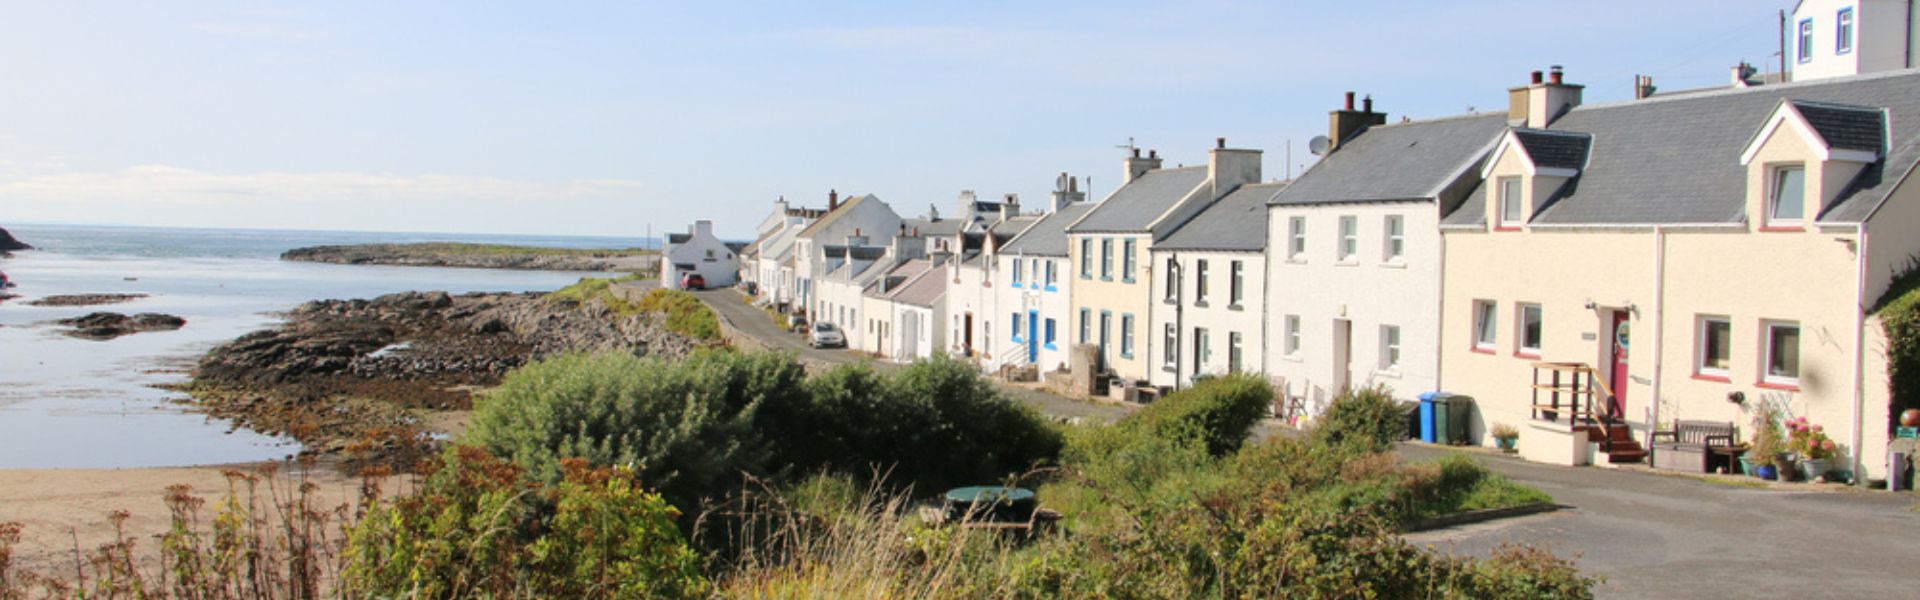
column 825, row 335
column 693, row 281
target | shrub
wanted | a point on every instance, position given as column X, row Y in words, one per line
column 1219, row 412
column 685, row 314
column 1368, row 414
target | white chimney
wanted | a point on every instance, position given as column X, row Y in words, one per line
column 1230, row 168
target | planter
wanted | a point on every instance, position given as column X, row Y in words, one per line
column 1505, row 444
column 1815, row 468
column 1766, row 472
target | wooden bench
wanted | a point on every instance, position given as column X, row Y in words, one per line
column 1691, row 445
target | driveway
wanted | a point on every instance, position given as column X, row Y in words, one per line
column 752, row 322
column 1667, row 536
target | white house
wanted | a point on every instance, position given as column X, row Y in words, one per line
column 1837, row 38
column 1211, row 287
column 904, row 332
column 1353, row 259
column 698, row 251
column 842, row 290
column 766, row 259
column 858, row 216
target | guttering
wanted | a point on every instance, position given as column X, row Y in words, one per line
column 1440, row 313
column 1638, row 226
column 1859, row 352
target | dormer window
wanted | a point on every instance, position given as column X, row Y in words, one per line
column 1511, row 212
column 1786, row 197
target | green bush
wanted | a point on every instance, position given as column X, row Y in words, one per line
column 1899, row 313
column 471, row 531
column 1219, row 412
column 1369, row 415
column 685, row 313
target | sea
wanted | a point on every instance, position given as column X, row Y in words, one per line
column 67, row 402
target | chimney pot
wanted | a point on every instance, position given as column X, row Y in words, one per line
column 1536, row 79
column 833, row 199
column 1153, row 154
column 1136, row 153
column 1367, row 103
column 1349, row 100
column 1220, row 142
column 1557, row 77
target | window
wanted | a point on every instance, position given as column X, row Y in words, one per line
column 1126, row 335
column 1389, row 347
column 1297, row 238
column 1712, row 342
column 1049, row 333
column 1292, row 346
column 1199, row 282
column 1200, row 354
column 1016, row 329
column 1086, row 260
column 1529, row 330
column 1170, row 356
column 1236, row 287
column 1485, row 327
column 1016, row 272
column 1783, row 353
column 1106, row 332
column 1173, row 280
column 1396, row 235
column 1086, row 324
column 1050, row 277
column 1126, row 260
column 1106, row 259
column 1349, row 237
column 1233, row 352
column 1511, row 213
column 1806, row 40
column 1787, row 198
column 1843, row 31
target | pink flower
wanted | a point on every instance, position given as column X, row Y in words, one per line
column 1818, row 429
column 1828, row 446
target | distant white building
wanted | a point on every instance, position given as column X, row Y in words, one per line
column 858, row 216
column 698, row 251
column 765, row 262
column 1836, row 38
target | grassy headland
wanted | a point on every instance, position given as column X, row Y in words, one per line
column 487, row 256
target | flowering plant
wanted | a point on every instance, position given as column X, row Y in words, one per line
column 1808, row 440
column 1504, row 431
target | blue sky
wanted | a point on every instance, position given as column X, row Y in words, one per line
column 600, row 119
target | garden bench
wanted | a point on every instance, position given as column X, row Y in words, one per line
column 1691, row 445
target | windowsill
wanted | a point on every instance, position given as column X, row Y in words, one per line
column 1169, row 369
column 1199, row 304
column 1236, row 307
column 1126, row 356
column 1393, row 264
column 1049, row 346
column 1393, row 373
column 1481, row 350
column 1783, row 228
column 1506, row 228
column 1534, row 355
column 1015, row 285
column 1713, row 378
column 1347, row 263
column 1291, row 358
column 1106, row 278
column 1126, row 280
column 1169, row 301
column 1050, row 289
column 1295, row 261
column 1793, row 386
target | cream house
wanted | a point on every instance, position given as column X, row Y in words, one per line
column 1690, row 256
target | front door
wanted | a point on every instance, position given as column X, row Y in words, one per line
column 1033, row 336
column 967, row 345
column 1617, row 376
column 1342, row 355
column 1106, row 329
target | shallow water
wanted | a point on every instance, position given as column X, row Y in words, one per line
column 68, row 402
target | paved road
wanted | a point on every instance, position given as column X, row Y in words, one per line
column 753, row 322
column 1665, row 536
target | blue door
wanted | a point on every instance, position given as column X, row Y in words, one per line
column 1033, row 336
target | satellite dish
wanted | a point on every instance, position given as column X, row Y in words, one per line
column 1318, row 145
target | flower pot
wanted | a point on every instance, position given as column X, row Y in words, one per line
column 1505, row 444
column 1766, row 472
column 1814, row 468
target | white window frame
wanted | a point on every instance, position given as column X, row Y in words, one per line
column 1234, row 351
column 1127, row 263
column 1775, row 180
column 1843, row 31
column 1700, row 328
column 1389, row 348
column 1086, row 258
column 1767, row 351
column 1348, row 238
column 1200, row 281
column 1171, row 347
column 1520, row 346
column 1106, row 259
column 1394, row 248
column 1292, row 327
column 1512, row 200
column 1126, row 335
column 1017, row 268
column 1805, row 40
column 1486, row 324
column 1203, row 352
column 1173, row 279
column 1297, row 238
column 1236, row 287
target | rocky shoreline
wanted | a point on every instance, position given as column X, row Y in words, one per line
column 109, row 325
column 354, row 376
column 9, row 244
column 477, row 256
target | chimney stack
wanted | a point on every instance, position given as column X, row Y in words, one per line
column 1347, row 122
column 1136, row 166
column 1066, row 190
column 833, row 199
column 1230, row 168
column 1010, row 207
column 1539, row 103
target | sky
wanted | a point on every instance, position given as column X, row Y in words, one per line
column 610, row 118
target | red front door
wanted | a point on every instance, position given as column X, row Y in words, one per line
column 1617, row 406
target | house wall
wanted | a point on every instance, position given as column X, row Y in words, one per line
column 1881, row 42
column 878, row 331
column 1366, row 293
column 710, row 257
column 927, row 323
column 868, row 217
column 845, row 306
column 1116, row 296
column 968, row 292
column 1218, row 315
column 1034, row 295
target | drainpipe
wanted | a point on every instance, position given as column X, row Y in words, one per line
column 1659, row 320
column 1859, row 352
column 1440, row 318
column 1178, row 274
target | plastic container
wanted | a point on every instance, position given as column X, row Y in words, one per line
column 1459, row 422
column 1432, row 405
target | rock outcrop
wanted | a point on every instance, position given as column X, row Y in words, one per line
column 85, row 299
column 9, row 244
column 110, row 325
column 476, row 256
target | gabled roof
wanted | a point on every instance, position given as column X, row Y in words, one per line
column 1397, row 162
column 1554, row 149
column 1136, row 205
column 1048, row 236
column 1012, row 226
column 1238, row 222
column 1845, row 127
column 932, row 227
column 676, row 239
column 833, row 216
column 897, row 277
column 924, row 290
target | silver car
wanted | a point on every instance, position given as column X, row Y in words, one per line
column 825, row 335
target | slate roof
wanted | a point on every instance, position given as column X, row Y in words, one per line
column 1845, row 127
column 1676, row 159
column 834, row 215
column 1014, row 225
column 866, row 252
column 1400, row 161
column 1138, row 203
column 1048, row 236
column 1237, row 222
column 1555, row 149
column 932, row 227
column 676, row 239
column 898, row 275
column 924, row 290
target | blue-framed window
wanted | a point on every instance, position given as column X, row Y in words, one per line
column 1126, row 335
column 1805, row 46
column 1049, row 333
column 1016, row 272
column 1843, row 31
column 1086, row 260
column 1126, row 263
column 1086, row 324
column 1106, row 259
column 1050, row 277
column 1019, row 325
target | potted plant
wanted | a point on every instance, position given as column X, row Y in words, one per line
column 1768, row 444
column 1811, row 446
column 1504, row 436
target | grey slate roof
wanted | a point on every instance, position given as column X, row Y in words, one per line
column 923, row 290
column 1048, row 236
column 1135, row 205
column 930, row 227
column 866, row 252
column 1555, row 149
column 1014, row 225
column 678, row 238
column 832, row 216
column 1401, row 161
column 1845, row 126
column 1237, row 222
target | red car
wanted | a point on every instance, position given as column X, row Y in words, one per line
column 693, row 281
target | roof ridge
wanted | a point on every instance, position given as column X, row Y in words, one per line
column 1736, row 91
column 1834, row 105
column 1429, row 120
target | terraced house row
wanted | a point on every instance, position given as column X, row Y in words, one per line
column 1580, row 270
